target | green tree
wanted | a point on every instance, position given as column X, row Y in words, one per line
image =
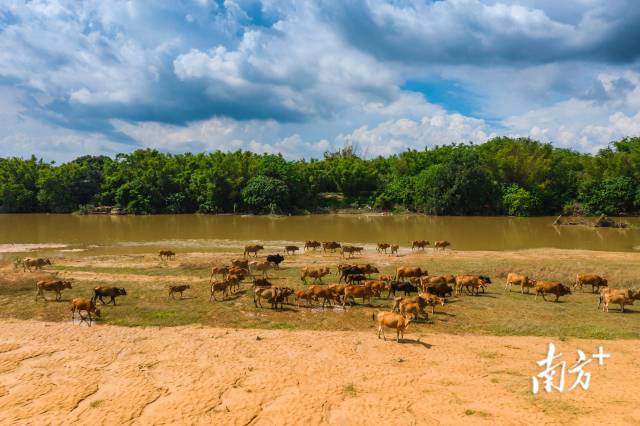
column 518, row 201
column 264, row 194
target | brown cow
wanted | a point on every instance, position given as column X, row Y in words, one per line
column 420, row 244
column 312, row 244
column 473, row 282
column 595, row 281
column 166, row 255
column 619, row 296
column 394, row 249
column 56, row 286
column 221, row 287
column 111, row 292
column 38, row 263
column 314, row 272
column 441, row 244
column 350, row 250
column 551, row 287
column 79, row 304
column 261, row 266
column 519, row 280
column 353, row 291
column 403, row 272
column 252, row 249
column 383, row 247
column 332, row 246
column 391, row 320
column 304, row 295
column 219, row 270
column 178, row 289
column 240, row 263
column 291, row 249
column 327, row 294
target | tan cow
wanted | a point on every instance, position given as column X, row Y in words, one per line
column 472, row 283
column 314, row 272
column 79, row 304
column 394, row 249
column 252, row 249
column 391, row 320
column 261, row 266
column 55, row 286
column 619, row 296
column 353, row 291
column 219, row 287
column 595, row 281
column 219, row 270
column 551, row 287
column 519, row 280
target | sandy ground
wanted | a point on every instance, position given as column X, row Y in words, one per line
column 58, row 373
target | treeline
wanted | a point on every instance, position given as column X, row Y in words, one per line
column 502, row 176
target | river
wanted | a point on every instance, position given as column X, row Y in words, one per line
column 121, row 234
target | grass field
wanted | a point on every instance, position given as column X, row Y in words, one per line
column 496, row 312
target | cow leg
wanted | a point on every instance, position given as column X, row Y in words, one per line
column 113, row 299
column 73, row 315
column 557, row 297
column 58, row 296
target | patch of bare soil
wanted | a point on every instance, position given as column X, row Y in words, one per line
column 59, row 373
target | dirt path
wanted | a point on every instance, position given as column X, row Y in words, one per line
column 58, row 373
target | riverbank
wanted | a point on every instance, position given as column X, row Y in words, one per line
column 201, row 375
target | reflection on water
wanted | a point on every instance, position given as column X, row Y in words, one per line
column 207, row 232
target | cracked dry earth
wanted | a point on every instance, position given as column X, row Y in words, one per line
column 58, row 373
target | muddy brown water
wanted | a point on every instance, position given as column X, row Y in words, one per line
column 122, row 234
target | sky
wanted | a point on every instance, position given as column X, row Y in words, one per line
column 305, row 77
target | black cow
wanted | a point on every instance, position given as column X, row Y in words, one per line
column 358, row 278
column 407, row 287
column 441, row 290
column 351, row 270
column 276, row 259
column 112, row 292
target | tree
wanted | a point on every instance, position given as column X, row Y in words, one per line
column 518, row 201
column 264, row 194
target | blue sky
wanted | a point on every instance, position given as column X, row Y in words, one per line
column 300, row 78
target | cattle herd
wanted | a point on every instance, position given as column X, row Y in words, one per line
column 355, row 282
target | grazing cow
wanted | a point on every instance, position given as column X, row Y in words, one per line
column 79, row 304
column 252, row 249
column 314, row 272
column 405, row 287
column 56, row 286
column 595, row 281
column 291, row 249
column 219, row 270
column 369, row 269
column 332, row 246
column 275, row 259
column 383, row 247
column 220, row 287
column 414, row 309
column 166, row 255
column 233, row 282
column 111, row 292
column 353, row 291
column 419, row 244
column 238, row 271
column 551, row 287
column 441, row 244
column 312, row 245
column 261, row 266
column 38, row 263
column 472, row 283
column 377, row 287
column 408, row 272
column 350, row 250
column 240, row 263
column 394, row 249
column 391, row 320
column 436, row 285
column 275, row 296
column 347, row 270
column 261, row 282
column 619, row 296
column 519, row 280
column 178, row 289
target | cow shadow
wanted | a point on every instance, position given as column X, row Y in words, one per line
column 416, row 342
column 446, row 314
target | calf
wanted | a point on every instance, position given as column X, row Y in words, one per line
column 111, row 292
column 79, row 304
column 291, row 249
column 178, row 289
column 595, row 281
column 275, row 260
column 56, row 286
column 519, row 280
column 391, row 320
column 551, row 287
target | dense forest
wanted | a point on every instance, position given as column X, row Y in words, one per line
column 503, row 176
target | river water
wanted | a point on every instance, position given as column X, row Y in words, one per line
column 118, row 234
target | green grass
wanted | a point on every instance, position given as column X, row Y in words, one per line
column 496, row 312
